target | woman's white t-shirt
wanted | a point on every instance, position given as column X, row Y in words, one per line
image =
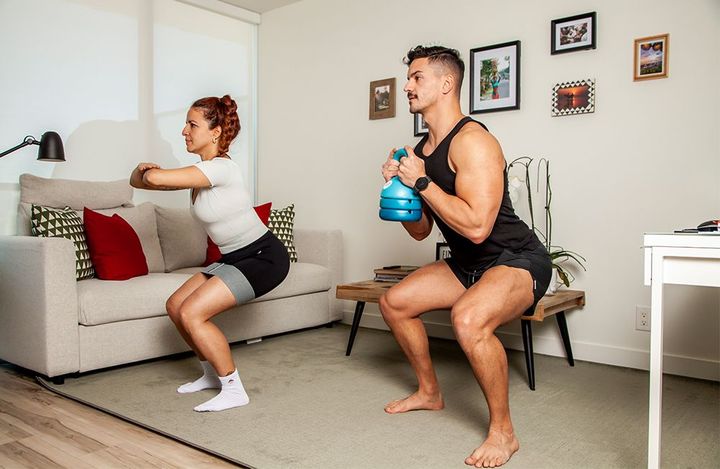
column 225, row 209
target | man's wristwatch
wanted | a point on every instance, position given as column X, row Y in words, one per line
column 421, row 183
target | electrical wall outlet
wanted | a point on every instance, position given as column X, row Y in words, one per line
column 642, row 318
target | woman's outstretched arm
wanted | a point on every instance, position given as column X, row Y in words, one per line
column 152, row 177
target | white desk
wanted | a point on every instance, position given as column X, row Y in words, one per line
column 681, row 259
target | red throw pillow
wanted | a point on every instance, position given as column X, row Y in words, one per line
column 263, row 212
column 212, row 254
column 115, row 249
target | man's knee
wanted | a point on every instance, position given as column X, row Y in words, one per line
column 392, row 304
column 387, row 306
column 471, row 324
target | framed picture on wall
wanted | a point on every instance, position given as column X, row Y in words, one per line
column 442, row 251
column 495, row 78
column 651, row 57
column 382, row 99
column 420, row 127
column 573, row 97
column 573, row 33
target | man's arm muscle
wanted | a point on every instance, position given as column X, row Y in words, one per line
column 479, row 164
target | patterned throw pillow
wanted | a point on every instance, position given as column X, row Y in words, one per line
column 281, row 224
column 64, row 223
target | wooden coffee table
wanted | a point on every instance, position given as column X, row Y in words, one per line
column 362, row 292
column 563, row 300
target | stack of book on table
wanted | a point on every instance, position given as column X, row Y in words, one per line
column 393, row 273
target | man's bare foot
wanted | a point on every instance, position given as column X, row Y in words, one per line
column 416, row 401
column 495, row 451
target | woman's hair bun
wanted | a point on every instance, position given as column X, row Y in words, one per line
column 229, row 103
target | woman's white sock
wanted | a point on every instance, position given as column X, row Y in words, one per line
column 231, row 395
column 208, row 380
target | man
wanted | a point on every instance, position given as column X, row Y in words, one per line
column 498, row 269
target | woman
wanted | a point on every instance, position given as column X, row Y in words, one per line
column 495, row 82
column 253, row 260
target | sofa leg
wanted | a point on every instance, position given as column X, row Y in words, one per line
column 330, row 325
column 59, row 380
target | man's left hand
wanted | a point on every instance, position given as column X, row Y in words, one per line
column 411, row 168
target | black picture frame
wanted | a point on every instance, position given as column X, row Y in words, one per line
column 495, row 78
column 420, row 127
column 442, row 251
column 574, row 33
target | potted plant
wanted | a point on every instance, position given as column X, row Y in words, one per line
column 559, row 255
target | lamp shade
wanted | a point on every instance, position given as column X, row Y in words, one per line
column 51, row 148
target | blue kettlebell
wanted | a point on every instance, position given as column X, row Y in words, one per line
column 399, row 202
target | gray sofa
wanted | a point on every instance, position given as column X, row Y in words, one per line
column 54, row 325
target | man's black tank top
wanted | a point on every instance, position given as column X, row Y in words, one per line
column 509, row 231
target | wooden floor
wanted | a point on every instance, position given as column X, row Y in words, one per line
column 39, row 429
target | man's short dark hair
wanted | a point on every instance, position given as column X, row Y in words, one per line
column 447, row 57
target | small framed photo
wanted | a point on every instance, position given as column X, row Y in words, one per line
column 651, row 57
column 573, row 33
column 442, row 251
column 421, row 127
column 382, row 99
column 495, row 78
column 574, row 97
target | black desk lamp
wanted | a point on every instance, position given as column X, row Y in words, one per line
column 51, row 147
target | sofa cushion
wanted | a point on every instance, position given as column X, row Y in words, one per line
column 142, row 220
column 263, row 211
column 302, row 278
column 102, row 302
column 281, row 223
column 182, row 239
column 77, row 195
column 115, row 248
column 64, row 223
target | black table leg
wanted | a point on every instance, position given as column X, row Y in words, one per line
column 529, row 360
column 562, row 325
column 359, row 306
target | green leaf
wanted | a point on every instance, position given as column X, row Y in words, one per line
column 563, row 276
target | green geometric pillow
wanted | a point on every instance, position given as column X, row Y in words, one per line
column 64, row 223
column 281, row 224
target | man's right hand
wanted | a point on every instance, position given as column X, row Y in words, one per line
column 390, row 167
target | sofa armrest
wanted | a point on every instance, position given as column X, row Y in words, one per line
column 323, row 247
column 38, row 304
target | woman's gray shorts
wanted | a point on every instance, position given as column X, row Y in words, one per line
column 253, row 270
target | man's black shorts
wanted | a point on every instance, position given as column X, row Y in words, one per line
column 535, row 259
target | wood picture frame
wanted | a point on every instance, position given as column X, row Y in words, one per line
column 495, row 78
column 651, row 57
column 573, row 33
column 573, row 97
column 382, row 99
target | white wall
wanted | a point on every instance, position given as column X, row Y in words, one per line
column 115, row 78
column 647, row 160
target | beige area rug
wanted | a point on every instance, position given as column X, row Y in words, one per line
column 313, row 407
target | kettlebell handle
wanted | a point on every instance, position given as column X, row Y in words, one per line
column 401, row 153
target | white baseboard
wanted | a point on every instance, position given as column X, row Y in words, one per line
column 596, row 353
